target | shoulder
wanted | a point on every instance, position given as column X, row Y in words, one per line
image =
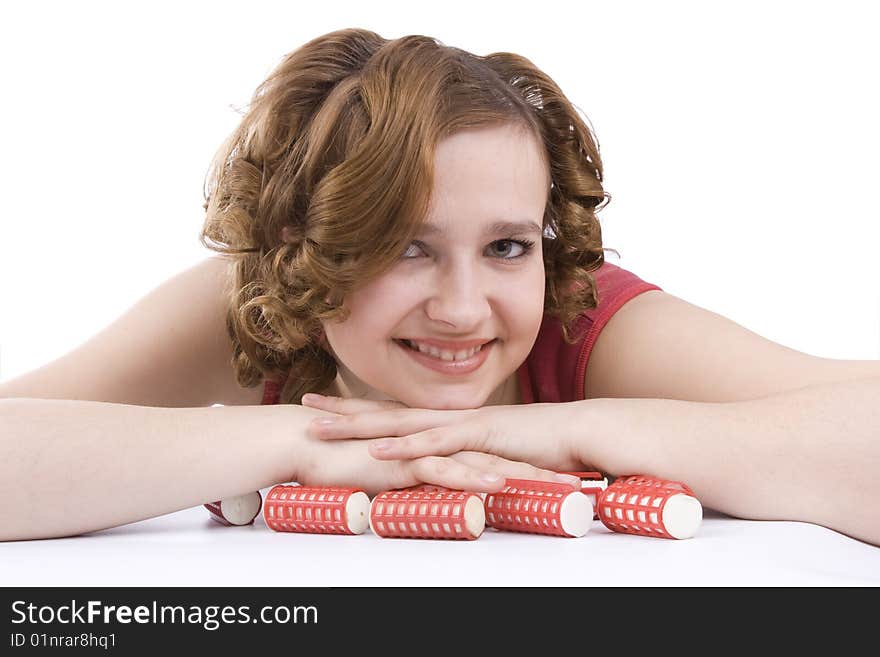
column 169, row 349
column 217, row 283
column 204, row 291
column 556, row 368
column 656, row 345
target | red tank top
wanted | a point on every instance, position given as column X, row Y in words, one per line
column 554, row 371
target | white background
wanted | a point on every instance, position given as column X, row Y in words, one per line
column 739, row 141
column 187, row 548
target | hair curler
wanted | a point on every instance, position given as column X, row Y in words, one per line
column 427, row 512
column 648, row 506
column 592, row 485
column 316, row 510
column 237, row 510
column 539, row 507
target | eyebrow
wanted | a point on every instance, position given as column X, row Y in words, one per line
column 492, row 229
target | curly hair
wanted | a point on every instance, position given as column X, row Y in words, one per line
column 335, row 153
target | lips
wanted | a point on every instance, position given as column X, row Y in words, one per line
column 453, row 367
column 449, row 345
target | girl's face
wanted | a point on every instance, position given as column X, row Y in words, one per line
column 466, row 279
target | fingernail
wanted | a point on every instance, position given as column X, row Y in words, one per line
column 312, row 397
column 324, row 421
column 569, row 479
column 490, row 477
column 382, row 445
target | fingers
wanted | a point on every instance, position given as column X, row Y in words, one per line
column 466, row 442
column 513, row 469
column 450, row 473
column 349, row 405
column 371, row 424
column 436, row 441
column 473, row 471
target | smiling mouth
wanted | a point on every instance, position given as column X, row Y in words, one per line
column 410, row 346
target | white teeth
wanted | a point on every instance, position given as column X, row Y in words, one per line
column 444, row 354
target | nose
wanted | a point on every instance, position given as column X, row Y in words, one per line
column 460, row 299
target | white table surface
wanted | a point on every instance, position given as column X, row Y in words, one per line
column 187, row 548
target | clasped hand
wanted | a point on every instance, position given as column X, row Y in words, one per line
column 472, row 449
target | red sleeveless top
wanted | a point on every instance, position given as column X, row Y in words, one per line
column 554, row 371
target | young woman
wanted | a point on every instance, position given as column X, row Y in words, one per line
column 410, row 229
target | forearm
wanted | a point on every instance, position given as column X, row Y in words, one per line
column 810, row 455
column 69, row 467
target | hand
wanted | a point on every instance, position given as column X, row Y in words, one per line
column 348, row 463
column 535, row 437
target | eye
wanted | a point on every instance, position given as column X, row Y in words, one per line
column 525, row 247
column 408, row 250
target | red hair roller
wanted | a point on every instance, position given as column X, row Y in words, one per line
column 427, row 512
column 592, row 485
column 539, row 507
column 314, row 510
column 648, row 506
column 238, row 510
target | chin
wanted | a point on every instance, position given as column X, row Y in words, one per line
column 445, row 404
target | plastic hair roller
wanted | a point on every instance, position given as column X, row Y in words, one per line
column 427, row 512
column 592, row 485
column 316, row 510
column 238, row 510
column 647, row 506
column 539, row 507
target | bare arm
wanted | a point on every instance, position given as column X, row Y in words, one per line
column 69, row 467
column 810, row 455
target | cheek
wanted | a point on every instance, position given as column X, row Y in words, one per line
column 523, row 319
column 374, row 311
column 390, row 293
column 519, row 310
column 529, row 310
column 532, row 296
